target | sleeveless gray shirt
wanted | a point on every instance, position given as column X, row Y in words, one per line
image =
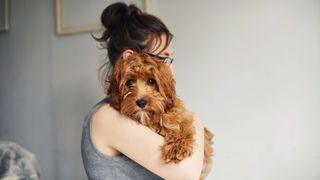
column 100, row 166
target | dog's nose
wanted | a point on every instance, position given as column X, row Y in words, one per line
column 141, row 103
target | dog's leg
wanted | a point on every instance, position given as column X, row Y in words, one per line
column 179, row 139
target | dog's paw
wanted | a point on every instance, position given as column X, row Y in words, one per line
column 176, row 151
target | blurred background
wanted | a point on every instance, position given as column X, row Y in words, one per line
column 249, row 68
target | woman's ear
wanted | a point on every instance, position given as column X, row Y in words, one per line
column 126, row 53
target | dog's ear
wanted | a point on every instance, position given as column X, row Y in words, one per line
column 114, row 90
column 166, row 84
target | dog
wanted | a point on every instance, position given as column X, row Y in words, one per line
column 143, row 88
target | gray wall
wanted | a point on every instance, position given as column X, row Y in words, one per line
column 48, row 83
column 249, row 69
column 26, row 82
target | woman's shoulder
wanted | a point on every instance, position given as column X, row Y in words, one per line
column 103, row 114
column 102, row 121
column 99, row 108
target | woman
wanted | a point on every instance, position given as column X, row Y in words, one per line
column 114, row 146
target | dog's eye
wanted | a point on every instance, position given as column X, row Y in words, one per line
column 151, row 82
column 129, row 82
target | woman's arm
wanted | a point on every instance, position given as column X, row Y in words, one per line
column 143, row 145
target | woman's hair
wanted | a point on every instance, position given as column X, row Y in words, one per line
column 127, row 27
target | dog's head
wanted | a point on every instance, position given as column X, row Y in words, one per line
column 142, row 87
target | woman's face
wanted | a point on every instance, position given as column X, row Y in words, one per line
column 157, row 49
column 157, row 46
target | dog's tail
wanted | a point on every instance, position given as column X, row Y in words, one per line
column 208, row 153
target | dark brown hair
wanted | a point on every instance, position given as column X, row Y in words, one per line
column 127, row 27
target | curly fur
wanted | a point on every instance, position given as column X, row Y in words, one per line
column 142, row 77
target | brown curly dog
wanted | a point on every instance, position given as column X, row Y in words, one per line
column 143, row 88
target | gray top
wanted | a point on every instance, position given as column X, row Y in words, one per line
column 100, row 166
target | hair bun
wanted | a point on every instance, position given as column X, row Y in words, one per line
column 118, row 13
column 133, row 10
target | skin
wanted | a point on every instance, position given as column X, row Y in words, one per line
column 114, row 134
column 156, row 48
